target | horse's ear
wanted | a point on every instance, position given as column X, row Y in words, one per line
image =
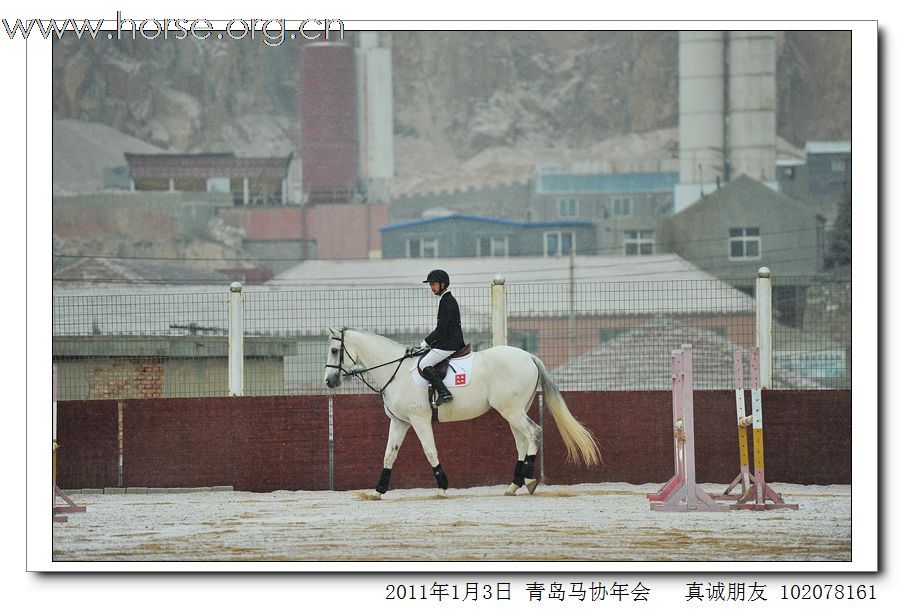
column 332, row 331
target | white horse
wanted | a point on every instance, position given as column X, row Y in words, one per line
column 503, row 377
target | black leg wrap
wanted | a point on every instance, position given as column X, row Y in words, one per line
column 529, row 466
column 383, row 486
column 518, row 478
column 441, row 481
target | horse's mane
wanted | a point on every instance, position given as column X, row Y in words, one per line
column 378, row 337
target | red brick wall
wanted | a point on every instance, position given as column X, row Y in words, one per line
column 345, row 231
column 114, row 378
column 254, row 444
column 265, row 222
column 272, row 443
column 87, row 432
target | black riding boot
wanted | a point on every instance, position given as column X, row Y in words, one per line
column 442, row 393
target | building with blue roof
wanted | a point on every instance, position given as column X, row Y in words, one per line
column 475, row 236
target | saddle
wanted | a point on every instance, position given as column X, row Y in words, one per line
column 443, row 366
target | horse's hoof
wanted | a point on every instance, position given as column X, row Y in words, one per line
column 531, row 485
column 511, row 489
column 441, row 493
column 369, row 495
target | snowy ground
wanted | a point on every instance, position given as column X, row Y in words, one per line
column 587, row 522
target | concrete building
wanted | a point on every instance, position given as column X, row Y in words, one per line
column 623, row 208
column 745, row 225
column 473, row 236
column 822, row 180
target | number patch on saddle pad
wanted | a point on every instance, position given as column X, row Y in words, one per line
column 458, row 375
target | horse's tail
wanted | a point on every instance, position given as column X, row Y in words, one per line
column 579, row 441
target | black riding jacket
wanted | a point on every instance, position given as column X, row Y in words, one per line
column 447, row 335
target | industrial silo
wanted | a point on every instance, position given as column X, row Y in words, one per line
column 701, row 123
column 329, row 124
column 375, row 125
column 726, row 111
column 751, row 113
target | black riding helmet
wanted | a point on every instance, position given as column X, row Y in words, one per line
column 438, row 276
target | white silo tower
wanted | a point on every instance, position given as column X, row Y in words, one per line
column 701, row 128
column 375, row 119
column 726, row 111
column 751, row 118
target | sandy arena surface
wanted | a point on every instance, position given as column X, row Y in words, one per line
column 587, row 522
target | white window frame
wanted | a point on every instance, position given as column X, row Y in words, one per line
column 637, row 239
column 559, row 234
column 424, row 245
column 745, row 239
column 569, row 208
column 428, row 245
column 495, row 242
column 625, row 201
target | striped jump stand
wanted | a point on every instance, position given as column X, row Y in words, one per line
column 755, row 493
column 682, row 493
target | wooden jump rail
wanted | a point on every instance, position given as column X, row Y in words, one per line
column 755, row 494
column 682, row 493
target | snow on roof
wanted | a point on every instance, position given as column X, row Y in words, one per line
column 828, row 147
column 405, row 272
column 639, row 358
column 644, row 182
column 388, row 296
column 455, row 217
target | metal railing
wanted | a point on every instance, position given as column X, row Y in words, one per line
column 591, row 336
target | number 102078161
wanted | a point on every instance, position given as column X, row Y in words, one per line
column 829, row 591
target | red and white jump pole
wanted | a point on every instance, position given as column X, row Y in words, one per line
column 682, row 493
column 755, row 494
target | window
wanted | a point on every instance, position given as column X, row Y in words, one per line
column 218, row 184
column 417, row 247
column 622, row 207
column 639, row 242
column 429, row 248
column 568, row 207
column 492, row 246
column 558, row 243
column 744, row 243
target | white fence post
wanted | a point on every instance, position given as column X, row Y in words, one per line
column 499, row 300
column 236, row 339
column 764, row 325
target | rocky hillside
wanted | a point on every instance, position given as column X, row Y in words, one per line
column 456, row 94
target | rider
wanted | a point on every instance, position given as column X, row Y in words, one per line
column 446, row 338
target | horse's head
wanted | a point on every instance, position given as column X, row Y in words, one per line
column 335, row 358
column 340, row 358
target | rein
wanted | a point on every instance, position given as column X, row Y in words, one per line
column 358, row 372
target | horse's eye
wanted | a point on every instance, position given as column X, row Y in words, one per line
column 334, row 350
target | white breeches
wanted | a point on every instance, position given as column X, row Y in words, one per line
column 434, row 357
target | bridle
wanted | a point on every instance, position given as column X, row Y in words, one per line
column 359, row 371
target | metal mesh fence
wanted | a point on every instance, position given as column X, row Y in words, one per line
column 591, row 336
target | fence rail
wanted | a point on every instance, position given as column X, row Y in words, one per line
column 591, row 336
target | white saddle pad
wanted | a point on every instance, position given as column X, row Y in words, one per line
column 458, row 374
